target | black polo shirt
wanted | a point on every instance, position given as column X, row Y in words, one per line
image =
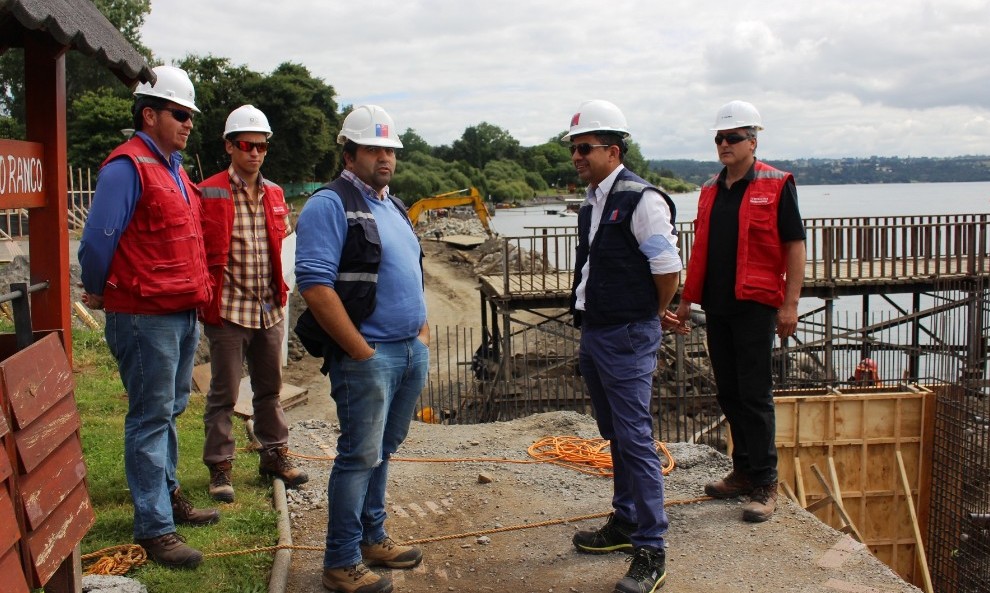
column 719, row 296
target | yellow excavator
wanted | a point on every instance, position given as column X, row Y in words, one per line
column 460, row 197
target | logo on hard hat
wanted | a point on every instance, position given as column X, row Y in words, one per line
column 381, row 130
column 575, row 119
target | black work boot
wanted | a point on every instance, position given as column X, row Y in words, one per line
column 171, row 550
column 646, row 573
column 613, row 536
column 183, row 512
column 275, row 462
column 733, row 485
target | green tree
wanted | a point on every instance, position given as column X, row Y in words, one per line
column 413, row 142
column 83, row 73
column 101, row 115
column 303, row 114
column 483, row 143
column 300, row 109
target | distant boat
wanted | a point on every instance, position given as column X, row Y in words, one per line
column 552, row 210
column 567, row 213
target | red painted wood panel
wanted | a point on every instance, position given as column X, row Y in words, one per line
column 11, row 574
column 4, row 427
column 35, row 378
column 57, row 537
column 9, row 533
column 51, row 482
column 44, row 435
column 5, row 470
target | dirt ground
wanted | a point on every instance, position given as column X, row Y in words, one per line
column 709, row 547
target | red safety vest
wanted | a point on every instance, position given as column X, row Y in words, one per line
column 218, row 225
column 760, row 257
column 159, row 266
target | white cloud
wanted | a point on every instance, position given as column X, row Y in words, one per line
column 832, row 78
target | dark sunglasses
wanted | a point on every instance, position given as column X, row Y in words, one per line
column 245, row 146
column 180, row 115
column 584, row 148
column 733, row 138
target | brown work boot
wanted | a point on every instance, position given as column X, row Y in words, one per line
column 762, row 503
column 171, row 550
column 355, row 579
column 183, row 512
column 733, row 485
column 275, row 462
column 221, row 488
column 390, row 554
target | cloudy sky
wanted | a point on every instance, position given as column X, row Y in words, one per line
column 831, row 78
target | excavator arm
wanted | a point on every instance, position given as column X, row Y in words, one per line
column 461, row 197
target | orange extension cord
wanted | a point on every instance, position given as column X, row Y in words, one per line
column 589, row 456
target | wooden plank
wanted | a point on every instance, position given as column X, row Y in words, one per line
column 9, row 532
column 13, row 580
column 290, row 396
column 919, row 543
column 59, row 535
column 799, row 482
column 35, row 378
column 51, row 482
column 5, row 470
column 4, row 426
column 39, row 440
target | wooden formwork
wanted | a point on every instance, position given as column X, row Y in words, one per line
column 853, row 440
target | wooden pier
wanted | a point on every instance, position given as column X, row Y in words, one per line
column 859, row 256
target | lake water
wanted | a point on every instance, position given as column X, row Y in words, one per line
column 891, row 199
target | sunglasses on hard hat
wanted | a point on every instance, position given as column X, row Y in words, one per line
column 584, row 149
column 245, row 146
column 179, row 115
column 733, row 138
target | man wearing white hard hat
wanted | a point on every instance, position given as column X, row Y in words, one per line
column 359, row 267
column 245, row 219
column 746, row 272
column 143, row 262
column 627, row 270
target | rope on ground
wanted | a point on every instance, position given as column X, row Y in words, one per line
column 588, row 456
column 115, row 560
column 122, row 567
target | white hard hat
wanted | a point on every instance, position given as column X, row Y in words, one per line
column 369, row 125
column 597, row 116
column 738, row 114
column 247, row 118
column 171, row 84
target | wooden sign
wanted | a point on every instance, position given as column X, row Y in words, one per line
column 22, row 174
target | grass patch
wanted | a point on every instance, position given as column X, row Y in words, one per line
column 250, row 522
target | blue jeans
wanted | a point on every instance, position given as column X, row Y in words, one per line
column 617, row 363
column 155, row 357
column 376, row 399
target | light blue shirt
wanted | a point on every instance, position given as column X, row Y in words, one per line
column 400, row 305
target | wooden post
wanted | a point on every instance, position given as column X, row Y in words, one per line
column 918, row 542
column 44, row 87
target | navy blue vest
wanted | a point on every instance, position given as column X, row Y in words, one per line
column 620, row 286
column 357, row 273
